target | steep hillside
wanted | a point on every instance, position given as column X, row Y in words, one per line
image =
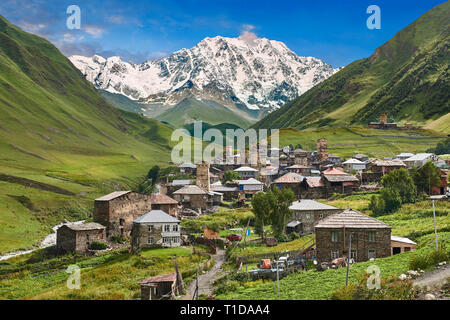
column 61, row 144
column 407, row 77
column 190, row 110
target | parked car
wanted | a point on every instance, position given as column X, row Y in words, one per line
column 234, row 237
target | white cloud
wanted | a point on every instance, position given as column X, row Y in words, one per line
column 247, row 35
column 94, row 31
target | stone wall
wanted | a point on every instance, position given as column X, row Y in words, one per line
column 324, row 245
column 140, row 235
column 118, row 214
column 68, row 240
column 314, row 217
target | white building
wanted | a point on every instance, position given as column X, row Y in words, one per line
column 246, row 172
column 420, row 159
column 155, row 229
column 354, row 164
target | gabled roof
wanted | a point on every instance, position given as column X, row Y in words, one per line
column 351, row 219
column 308, row 205
column 158, row 198
column 353, row 161
column 334, row 171
column 181, row 182
column 314, row 182
column 401, row 239
column 113, row 195
column 156, row 216
column 187, row 165
column 360, row 155
column 249, row 181
column 389, row 163
column 192, row 189
column 339, row 178
column 85, row 226
column 290, row 177
column 245, row 169
column 299, row 166
column 419, row 157
column 172, row 277
column 404, row 155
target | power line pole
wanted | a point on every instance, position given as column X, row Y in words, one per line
column 348, row 257
column 435, row 231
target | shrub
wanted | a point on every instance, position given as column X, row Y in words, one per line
column 392, row 199
column 377, row 205
column 98, row 246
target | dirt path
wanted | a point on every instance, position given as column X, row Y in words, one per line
column 205, row 281
column 434, row 277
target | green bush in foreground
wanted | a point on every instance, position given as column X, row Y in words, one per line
column 98, row 246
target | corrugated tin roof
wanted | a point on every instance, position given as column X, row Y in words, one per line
column 113, row 195
column 293, row 224
column 308, row 205
column 245, row 169
column 224, row 189
column 351, row 219
column 181, row 182
column 249, row 181
column 401, row 239
column 353, row 161
column 187, row 165
column 155, row 216
column 419, row 157
column 389, row 163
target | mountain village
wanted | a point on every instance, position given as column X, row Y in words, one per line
column 340, row 236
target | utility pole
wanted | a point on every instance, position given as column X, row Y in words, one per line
column 179, row 284
column 348, row 256
column 435, row 231
column 278, row 280
column 245, row 235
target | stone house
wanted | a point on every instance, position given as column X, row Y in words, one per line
column 78, row 237
column 371, row 238
column 192, row 197
column 361, row 157
column 337, row 181
column 155, row 229
column 385, row 166
column 420, row 159
column 246, row 172
column 312, row 188
column 308, row 213
column 229, row 193
column 164, row 203
column 187, row 168
column 354, row 164
column 117, row 211
column 291, row 181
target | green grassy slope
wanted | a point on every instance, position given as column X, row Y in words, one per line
column 190, row 110
column 346, row 142
column 56, row 129
column 407, row 77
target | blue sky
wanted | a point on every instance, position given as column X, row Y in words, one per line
column 332, row 30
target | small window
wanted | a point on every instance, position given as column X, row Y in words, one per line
column 308, row 216
column 320, row 215
column 121, row 222
column 334, row 254
column 372, row 254
column 150, row 228
column 406, row 249
column 167, row 228
column 87, row 237
column 334, row 236
column 353, row 254
column 175, row 228
column 354, row 236
column 372, row 236
column 150, row 241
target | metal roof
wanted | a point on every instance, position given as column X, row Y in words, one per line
column 351, row 219
column 293, row 224
column 401, row 239
column 187, row 165
column 181, row 182
column 245, row 169
column 249, row 181
column 156, row 216
column 353, row 161
column 193, row 189
column 308, row 205
column 419, row 157
column 172, row 277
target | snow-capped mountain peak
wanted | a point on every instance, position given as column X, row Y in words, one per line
column 254, row 73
